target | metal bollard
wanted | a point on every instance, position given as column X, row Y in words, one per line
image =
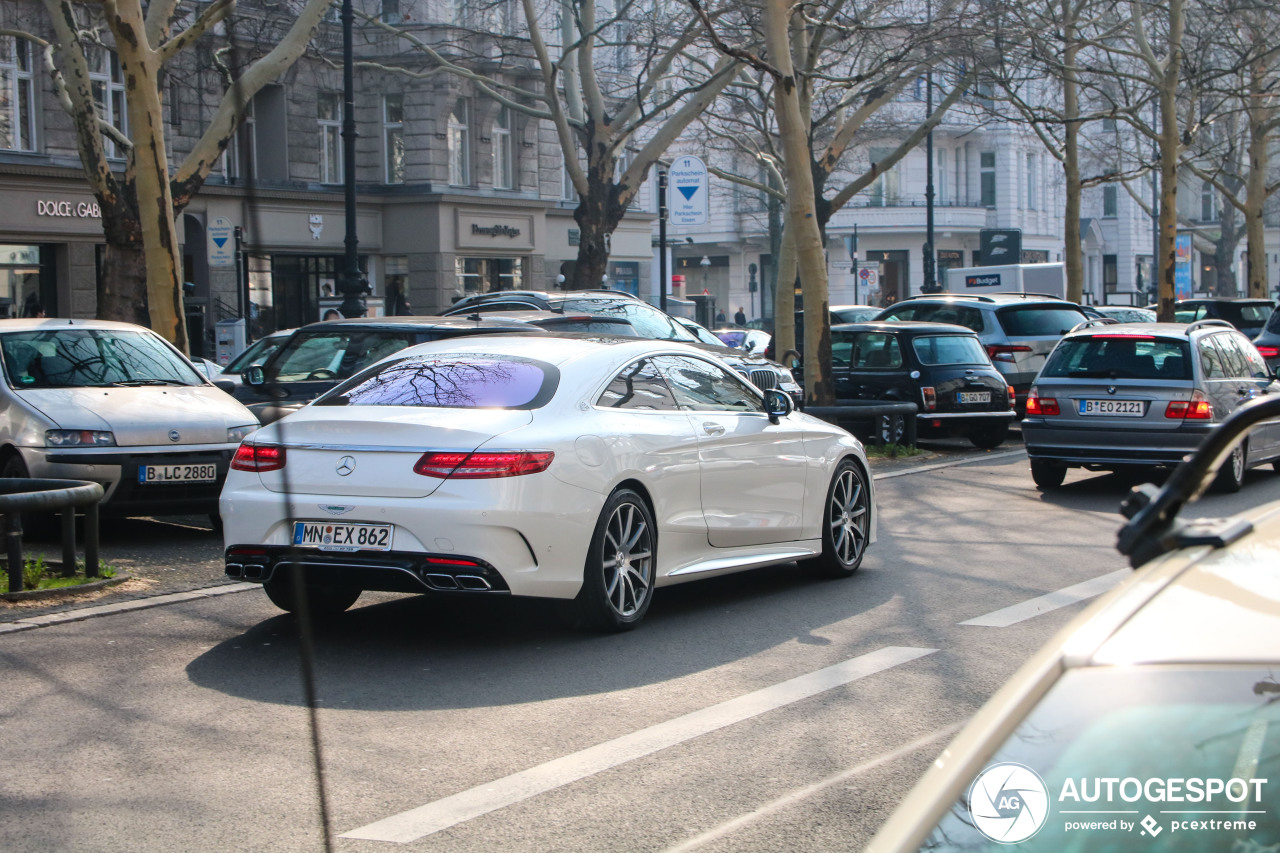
column 13, row 546
column 68, row 542
column 91, row 540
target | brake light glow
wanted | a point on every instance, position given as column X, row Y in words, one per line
column 1198, row 408
column 1123, row 337
column 930, row 398
column 1269, row 352
column 482, row 466
column 258, row 457
column 1037, row 405
column 1005, row 353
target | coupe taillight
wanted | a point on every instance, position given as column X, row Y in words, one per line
column 258, row 457
column 1037, row 405
column 1005, row 353
column 481, row 465
column 1269, row 352
column 1198, row 408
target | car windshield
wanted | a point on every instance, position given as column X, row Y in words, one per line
column 1246, row 313
column 732, row 339
column 1029, row 321
column 648, row 321
column 1119, row 356
column 937, row 312
column 77, row 358
column 1187, row 753
column 949, row 349
column 328, row 354
column 1129, row 315
column 257, row 353
column 467, row 381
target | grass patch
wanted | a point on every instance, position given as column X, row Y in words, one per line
column 893, row 451
column 37, row 575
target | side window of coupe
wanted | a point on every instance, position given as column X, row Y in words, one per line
column 638, row 386
column 701, row 386
column 877, row 350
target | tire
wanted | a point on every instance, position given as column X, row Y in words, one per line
column 988, row 438
column 1231, row 475
column 322, row 600
column 618, row 577
column 846, row 523
column 14, row 468
column 1047, row 475
column 892, row 428
column 215, row 519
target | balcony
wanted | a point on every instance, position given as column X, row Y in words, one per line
column 910, row 214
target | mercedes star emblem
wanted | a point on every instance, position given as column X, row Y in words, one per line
column 346, row 465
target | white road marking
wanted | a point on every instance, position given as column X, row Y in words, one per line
column 731, row 826
column 1050, row 601
column 414, row 824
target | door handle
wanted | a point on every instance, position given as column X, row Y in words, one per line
column 712, row 428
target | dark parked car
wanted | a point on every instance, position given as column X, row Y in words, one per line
column 319, row 356
column 1268, row 341
column 943, row 369
column 1247, row 315
column 649, row 322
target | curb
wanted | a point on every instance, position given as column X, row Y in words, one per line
column 63, row 591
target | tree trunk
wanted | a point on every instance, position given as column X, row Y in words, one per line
column 1073, row 251
column 784, row 295
column 1225, row 251
column 1170, row 140
column 597, row 214
column 123, row 280
column 1256, row 191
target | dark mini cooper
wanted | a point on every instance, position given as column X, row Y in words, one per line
column 943, row 369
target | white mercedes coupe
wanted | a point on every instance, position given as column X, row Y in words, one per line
column 588, row 469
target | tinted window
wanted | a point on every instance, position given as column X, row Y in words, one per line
column 649, row 322
column 337, row 354
column 638, row 386
column 257, row 353
column 70, row 358
column 456, row 382
column 1118, row 357
column 702, row 386
column 1037, row 320
column 877, row 350
column 938, row 312
column 949, row 349
column 1273, row 325
column 732, row 339
column 1246, row 313
column 1154, row 732
column 590, row 327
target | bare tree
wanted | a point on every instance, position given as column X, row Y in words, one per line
column 141, row 273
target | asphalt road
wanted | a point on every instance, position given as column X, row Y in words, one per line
column 764, row 711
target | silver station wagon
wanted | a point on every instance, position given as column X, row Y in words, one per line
column 1115, row 396
column 115, row 404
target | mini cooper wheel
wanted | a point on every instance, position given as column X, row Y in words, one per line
column 322, row 599
column 1231, row 475
column 846, row 523
column 1046, row 475
column 617, row 581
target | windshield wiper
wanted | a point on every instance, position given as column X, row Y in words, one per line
column 133, row 383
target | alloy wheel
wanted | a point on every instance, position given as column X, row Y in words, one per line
column 627, row 560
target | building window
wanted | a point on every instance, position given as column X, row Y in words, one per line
column 486, row 275
column 393, row 137
column 503, row 166
column 107, row 82
column 961, row 193
column 885, row 189
column 1031, row 182
column 1208, row 206
column 944, row 186
column 1110, row 273
column 567, row 191
column 17, row 111
column 329, row 115
column 390, row 11
column 240, row 159
column 460, row 145
column 1110, row 201
column 987, row 163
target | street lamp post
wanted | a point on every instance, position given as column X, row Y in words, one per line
column 930, row 284
column 662, row 239
column 351, row 283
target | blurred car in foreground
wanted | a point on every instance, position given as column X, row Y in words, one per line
column 943, row 369
column 584, row 469
column 1247, row 315
column 115, row 404
column 1151, row 722
column 1115, row 396
column 320, row 355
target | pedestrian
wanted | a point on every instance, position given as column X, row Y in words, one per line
column 397, row 301
column 332, row 314
column 720, row 316
column 740, row 317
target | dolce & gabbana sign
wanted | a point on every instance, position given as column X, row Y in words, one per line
column 495, row 230
column 68, row 209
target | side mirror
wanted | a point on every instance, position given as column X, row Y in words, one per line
column 777, row 404
column 254, row 376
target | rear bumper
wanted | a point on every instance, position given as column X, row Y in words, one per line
column 388, row 572
column 1111, row 448
column 116, row 469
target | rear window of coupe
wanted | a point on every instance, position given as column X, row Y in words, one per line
column 462, row 381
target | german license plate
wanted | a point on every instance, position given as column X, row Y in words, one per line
column 1113, row 408
column 330, row 536
column 205, row 472
column 969, row 398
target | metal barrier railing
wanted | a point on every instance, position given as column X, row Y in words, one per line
column 18, row 495
column 863, row 410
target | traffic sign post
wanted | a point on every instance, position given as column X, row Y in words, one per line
column 688, row 204
column 221, row 243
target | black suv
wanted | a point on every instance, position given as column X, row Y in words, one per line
column 942, row 368
column 318, row 356
column 649, row 322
